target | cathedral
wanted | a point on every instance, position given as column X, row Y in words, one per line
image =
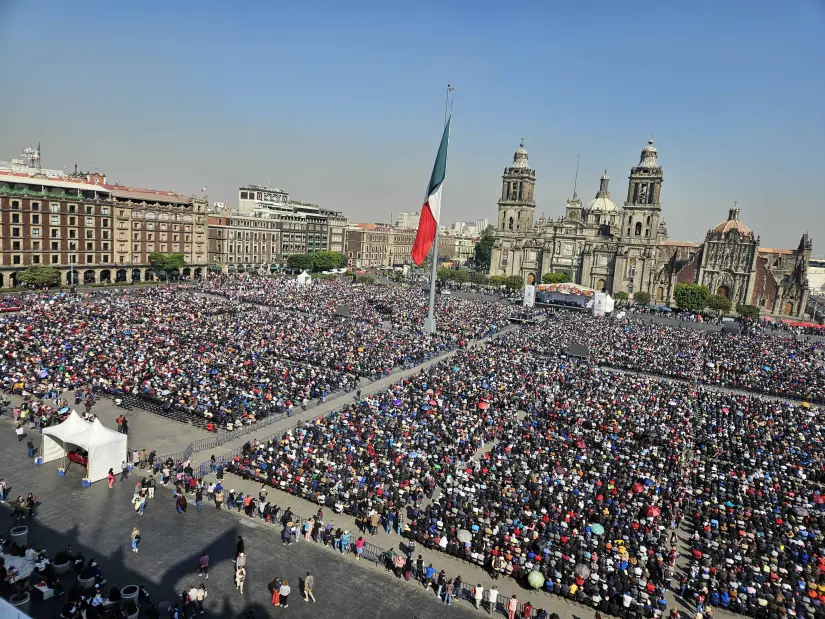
column 625, row 249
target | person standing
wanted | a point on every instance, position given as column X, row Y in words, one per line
column 309, row 583
column 110, row 476
column 135, row 537
column 240, row 577
column 275, row 588
column 124, row 470
column 285, row 590
column 198, row 498
column 512, row 607
column 150, row 486
column 492, row 599
column 203, row 565
column 478, row 595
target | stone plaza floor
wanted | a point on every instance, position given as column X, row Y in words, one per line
column 97, row 522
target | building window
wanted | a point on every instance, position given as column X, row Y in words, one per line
column 55, row 220
column 35, row 233
column 55, row 233
column 15, row 245
column 36, row 245
column 35, row 220
column 104, row 210
column 90, row 210
column 15, row 204
column 15, row 259
column 15, row 231
column 15, row 218
column 90, row 259
column 638, row 230
column 90, row 234
column 35, row 206
column 90, row 246
column 72, row 234
column 72, row 221
column 105, row 258
column 55, row 259
column 55, row 246
column 54, row 207
column 35, row 259
column 90, row 221
column 72, row 208
column 105, row 247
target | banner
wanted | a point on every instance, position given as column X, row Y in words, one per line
column 529, row 296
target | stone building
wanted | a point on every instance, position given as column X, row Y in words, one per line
column 625, row 249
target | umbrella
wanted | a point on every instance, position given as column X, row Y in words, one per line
column 396, row 402
column 464, row 536
column 425, row 407
column 582, row 571
column 596, row 529
column 536, row 579
column 483, row 405
column 652, row 511
column 801, row 512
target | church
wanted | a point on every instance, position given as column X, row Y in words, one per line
column 625, row 249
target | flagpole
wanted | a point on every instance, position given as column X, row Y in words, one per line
column 429, row 323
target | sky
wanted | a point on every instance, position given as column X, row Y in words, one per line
column 342, row 103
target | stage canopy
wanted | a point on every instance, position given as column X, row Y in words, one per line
column 105, row 448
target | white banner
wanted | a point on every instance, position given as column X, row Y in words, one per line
column 529, row 296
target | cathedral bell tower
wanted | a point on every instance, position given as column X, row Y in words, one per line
column 642, row 208
column 517, row 206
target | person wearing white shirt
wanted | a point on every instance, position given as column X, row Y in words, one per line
column 479, row 595
column 492, row 599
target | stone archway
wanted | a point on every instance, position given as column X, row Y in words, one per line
column 187, row 272
column 106, row 276
column 89, row 276
column 531, row 279
column 198, row 272
column 120, row 276
column 1, row 280
column 135, row 275
column 13, row 280
column 72, row 277
column 600, row 284
column 723, row 291
column 787, row 309
column 660, row 294
column 149, row 276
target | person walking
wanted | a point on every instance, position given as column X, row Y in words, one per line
column 202, row 593
column 512, row 607
column 448, row 592
column 240, row 577
column 135, row 537
column 492, row 599
column 110, row 476
column 203, row 565
column 478, row 595
column 309, row 583
column 150, row 486
column 198, row 498
column 285, row 590
column 124, row 470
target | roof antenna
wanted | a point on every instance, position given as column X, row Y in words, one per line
column 576, row 180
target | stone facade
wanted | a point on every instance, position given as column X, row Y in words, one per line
column 604, row 247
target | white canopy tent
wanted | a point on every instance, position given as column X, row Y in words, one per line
column 105, row 448
column 304, row 279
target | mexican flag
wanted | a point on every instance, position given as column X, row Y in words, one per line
column 431, row 211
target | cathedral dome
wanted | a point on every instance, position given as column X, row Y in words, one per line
column 602, row 201
column 733, row 223
column 520, row 157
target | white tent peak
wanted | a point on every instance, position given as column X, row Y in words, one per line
column 105, row 448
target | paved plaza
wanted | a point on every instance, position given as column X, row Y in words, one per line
column 97, row 522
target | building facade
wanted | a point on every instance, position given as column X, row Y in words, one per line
column 605, row 247
column 378, row 245
column 239, row 243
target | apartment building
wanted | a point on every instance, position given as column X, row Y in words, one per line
column 239, row 243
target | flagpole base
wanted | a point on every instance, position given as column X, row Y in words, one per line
column 429, row 326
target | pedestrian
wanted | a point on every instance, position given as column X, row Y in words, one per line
column 240, row 577
column 110, row 476
column 448, row 592
column 527, row 611
column 150, row 486
column 124, row 470
column 442, row 583
column 492, row 599
column 203, row 565
column 198, row 498
column 239, row 546
column 512, row 607
column 135, row 537
column 429, row 577
column 309, row 583
column 119, row 422
column 31, row 448
column 240, row 560
column 285, row 591
column 478, row 595
column 275, row 588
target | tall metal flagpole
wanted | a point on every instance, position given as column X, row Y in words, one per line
column 429, row 323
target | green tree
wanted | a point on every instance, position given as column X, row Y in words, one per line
column 642, row 297
column 747, row 311
column 40, row 276
column 555, row 278
column 367, row 280
column 621, row 296
column 444, row 274
column 166, row 262
column 461, row 276
column 327, row 260
column 477, row 277
column 496, row 280
column 300, row 261
column 514, row 282
column 484, row 249
column 691, row 297
column 719, row 303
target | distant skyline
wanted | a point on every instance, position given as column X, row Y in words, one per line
column 343, row 106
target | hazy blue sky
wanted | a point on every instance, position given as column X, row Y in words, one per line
column 341, row 103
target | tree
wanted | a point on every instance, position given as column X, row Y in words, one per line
column 621, row 296
column 555, row 278
column 642, row 297
column 166, row 262
column 444, row 274
column 514, row 282
column 461, row 276
column 747, row 311
column 719, row 303
column 484, row 249
column 302, row 262
column 477, row 277
column 691, row 297
column 40, row 276
column 496, row 280
column 327, row 260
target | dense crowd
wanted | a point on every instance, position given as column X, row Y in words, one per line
column 758, row 362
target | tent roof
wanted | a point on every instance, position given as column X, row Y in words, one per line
column 101, row 435
column 73, row 430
